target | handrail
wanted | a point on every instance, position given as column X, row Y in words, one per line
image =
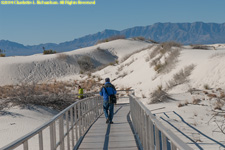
column 75, row 120
column 152, row 134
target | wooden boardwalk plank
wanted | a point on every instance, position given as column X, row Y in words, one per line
column 117, row 136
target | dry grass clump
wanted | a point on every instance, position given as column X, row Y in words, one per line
column 169, row 53
column 158, row 95
column 206, row 86
column 56, row 95
column 205, row 92
column 141, row 38
column 120, row 68
column 129, row 55
column 170, row 44
column 218, row 104
column 129, row 63
column 196, row 101
column 212, row 95
column 50, row 51
column 222, row 95
column 112, row 38
column 181, row 76
column 204, row 47
column 180, row 104
column 155, row 51
column 2, row 55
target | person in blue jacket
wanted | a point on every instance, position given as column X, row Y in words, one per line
column 108, row 108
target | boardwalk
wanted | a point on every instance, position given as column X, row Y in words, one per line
column 117, row 136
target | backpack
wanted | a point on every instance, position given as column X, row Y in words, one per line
column 112, row 98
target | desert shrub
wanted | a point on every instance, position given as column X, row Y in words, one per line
column 120, row 68
column 181, row 76
column 62, row 56
column 180, row 104
column 124, row 74
column 55, row 95
column 129, row 55
column 129, row 63
column 222, row 95
column 164, row 50
column 205, row 47
column 218, row 104
column 45, row 52
column 115, row 37
column 143, row 96
column 170, row 44
column 206, row 86
column 212, row 95
column 155, row 52
column 158, row 96
column 153, row 41
column 196, row 101
column 2, row 55
column 158, row 67
column 169, row 63
column 141, row 38
column 101, row 50
column 85, row 63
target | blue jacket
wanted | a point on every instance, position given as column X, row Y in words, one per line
column 110, row 90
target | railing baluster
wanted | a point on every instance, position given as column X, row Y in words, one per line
column 71, row 120
column 164, row 142
column 40, row 135
column 151, row 133
column 67, row 126
column 76, row 120
column 61, row 132
column 79, row 118
column 173, row 147
column 52, row 136
column 25, row 145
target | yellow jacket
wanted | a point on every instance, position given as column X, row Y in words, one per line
column 80, row 92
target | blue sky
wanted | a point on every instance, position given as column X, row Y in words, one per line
column 33, row 24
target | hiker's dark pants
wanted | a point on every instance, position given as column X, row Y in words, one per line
column 108, row 109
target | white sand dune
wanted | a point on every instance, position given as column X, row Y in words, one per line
column 36, row 68
column 136, row 73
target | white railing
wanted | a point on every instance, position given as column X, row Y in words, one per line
column 152, row 134
column 65, row 130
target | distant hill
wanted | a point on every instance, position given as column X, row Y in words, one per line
column 185, row 33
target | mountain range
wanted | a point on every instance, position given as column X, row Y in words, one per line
column 185, row 33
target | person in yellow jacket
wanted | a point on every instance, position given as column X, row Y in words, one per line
column 80, row 92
